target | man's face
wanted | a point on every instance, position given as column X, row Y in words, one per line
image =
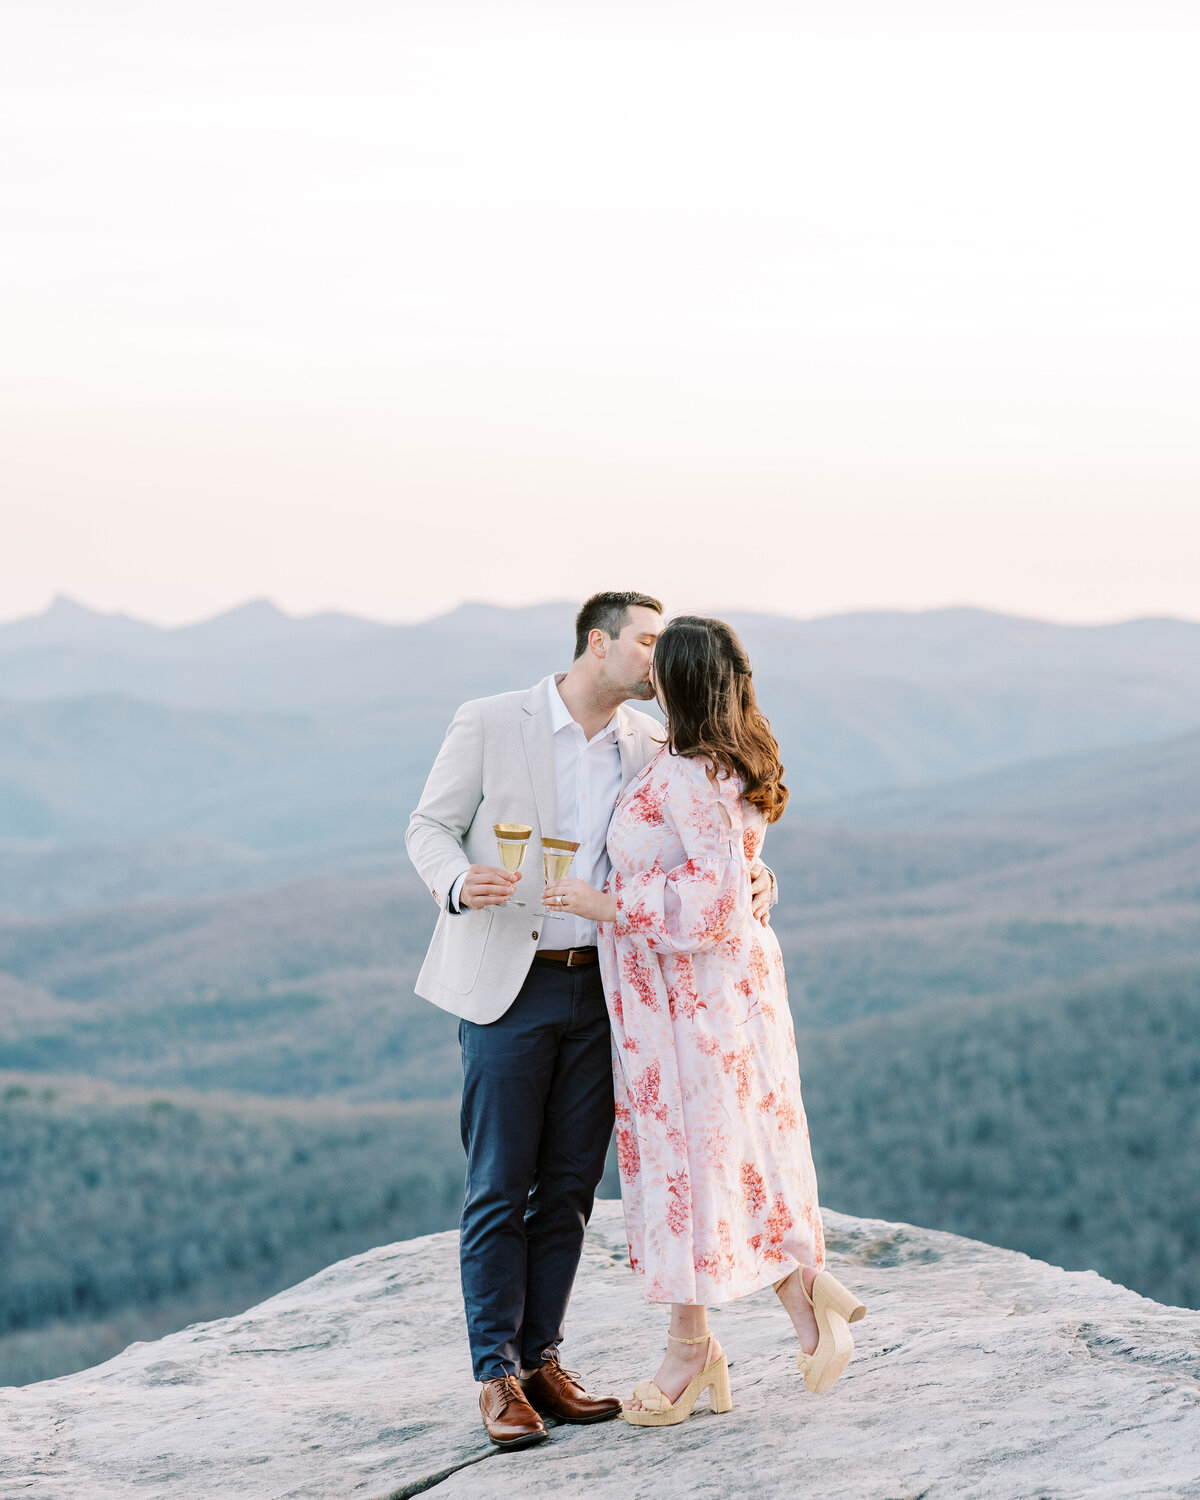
column 628, row 657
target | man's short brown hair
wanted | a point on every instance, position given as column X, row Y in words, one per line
column 610, row 613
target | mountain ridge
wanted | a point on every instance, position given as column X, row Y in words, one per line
column 858, row 704
column 69, row 618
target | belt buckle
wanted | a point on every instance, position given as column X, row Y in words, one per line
column 571, row 952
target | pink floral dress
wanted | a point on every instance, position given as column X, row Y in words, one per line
column 717, row 1176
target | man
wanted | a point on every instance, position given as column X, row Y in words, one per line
column 537, row 1105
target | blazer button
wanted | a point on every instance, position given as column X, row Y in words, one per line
column 533, row 935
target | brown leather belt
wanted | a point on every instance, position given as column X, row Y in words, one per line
column 574, row 958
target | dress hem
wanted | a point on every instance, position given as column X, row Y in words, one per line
column 757, row 1285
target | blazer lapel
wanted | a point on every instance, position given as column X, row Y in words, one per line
column 631, row 757
column 635, row 755
column 539, row 752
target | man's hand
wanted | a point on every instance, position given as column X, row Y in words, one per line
column 486, row 885
column 760, row 893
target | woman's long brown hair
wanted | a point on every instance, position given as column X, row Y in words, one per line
column 703, row 677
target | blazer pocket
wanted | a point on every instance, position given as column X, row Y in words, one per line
column 463, row 939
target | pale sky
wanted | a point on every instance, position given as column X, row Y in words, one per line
column 381, row 306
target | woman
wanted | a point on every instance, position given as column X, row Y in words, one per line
column 717, row 1176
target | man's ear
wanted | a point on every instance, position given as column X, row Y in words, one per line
column 598, row 643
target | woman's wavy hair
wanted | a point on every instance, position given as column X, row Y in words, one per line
column 703, row 677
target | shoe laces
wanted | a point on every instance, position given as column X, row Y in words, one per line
column 509, row 1391
column 557, row 1370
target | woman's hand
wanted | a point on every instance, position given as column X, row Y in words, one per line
column 578, row 899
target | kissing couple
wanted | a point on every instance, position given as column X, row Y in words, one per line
column 646, row 988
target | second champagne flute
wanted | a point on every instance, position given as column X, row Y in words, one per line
column 557, row 855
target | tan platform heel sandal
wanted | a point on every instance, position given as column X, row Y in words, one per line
column 834, row 1308
column 657, row 1411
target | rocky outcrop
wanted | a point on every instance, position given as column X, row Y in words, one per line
column 979, row 1372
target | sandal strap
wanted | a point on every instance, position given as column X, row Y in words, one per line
column 651, row 1397
column 783, row 1281
column 703, row 1339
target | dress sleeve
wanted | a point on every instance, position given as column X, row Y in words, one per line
column 693, row 906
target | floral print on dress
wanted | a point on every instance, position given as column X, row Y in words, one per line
column 717, row 1176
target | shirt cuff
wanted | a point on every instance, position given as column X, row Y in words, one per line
column 452, row 902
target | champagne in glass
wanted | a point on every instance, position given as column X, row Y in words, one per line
column 557, row 855
column 512, row 840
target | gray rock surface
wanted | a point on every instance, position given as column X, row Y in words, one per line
column 979, row 1372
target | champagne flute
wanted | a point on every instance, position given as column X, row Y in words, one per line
column 557, row 855
column 512, row 840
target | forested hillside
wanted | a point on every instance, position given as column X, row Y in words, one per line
column 130, row 1212
column 1063, row 1122
column 124, row 1211
column 1057, row 871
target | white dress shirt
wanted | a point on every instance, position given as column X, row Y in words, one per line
column 587, row 777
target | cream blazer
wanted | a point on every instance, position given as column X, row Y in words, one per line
column 496, row 765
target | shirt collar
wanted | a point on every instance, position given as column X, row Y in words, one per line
column 560, row 714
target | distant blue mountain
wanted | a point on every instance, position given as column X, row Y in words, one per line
column 269, row 730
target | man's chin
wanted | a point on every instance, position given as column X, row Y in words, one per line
column 641, row 691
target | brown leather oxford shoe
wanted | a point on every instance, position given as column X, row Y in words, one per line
column 507, row 1415
column 556, row 1392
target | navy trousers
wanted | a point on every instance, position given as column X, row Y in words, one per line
column 537, row 1115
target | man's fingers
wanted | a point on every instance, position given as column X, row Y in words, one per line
column 488, row 877
column 487, row 887
column 489, row 895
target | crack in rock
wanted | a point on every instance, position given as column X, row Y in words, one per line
column 431, row 1481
